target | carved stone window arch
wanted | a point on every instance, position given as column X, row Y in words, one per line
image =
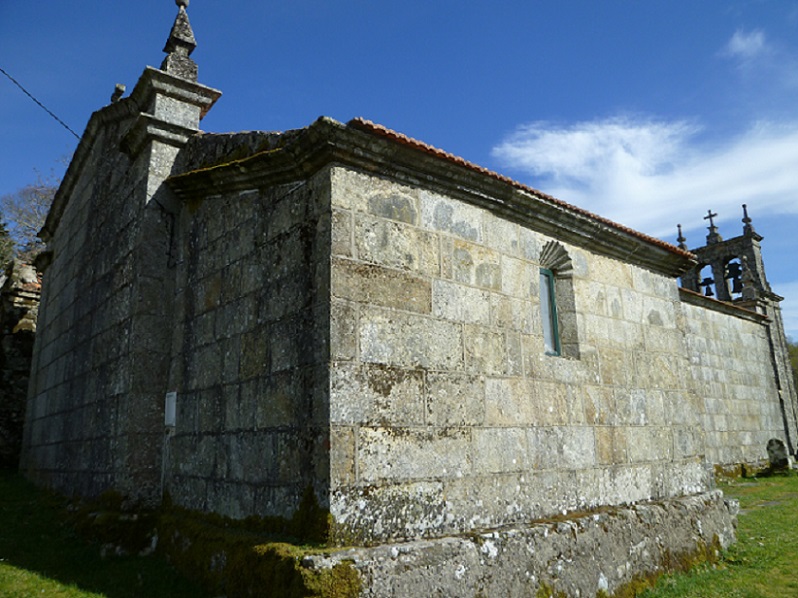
column 558, row 308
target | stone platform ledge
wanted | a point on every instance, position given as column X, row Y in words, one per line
column 582, row 555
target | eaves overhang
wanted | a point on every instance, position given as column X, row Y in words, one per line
column 371, row 148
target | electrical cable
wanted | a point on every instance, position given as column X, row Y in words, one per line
column 42, row 106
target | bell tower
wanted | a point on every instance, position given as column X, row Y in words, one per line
column 733, row 271
column 730, row 270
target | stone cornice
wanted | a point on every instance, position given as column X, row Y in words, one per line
column 724, row 307
column 151, row 83
column 327, row 141
column 156, row 82
column 148, row 128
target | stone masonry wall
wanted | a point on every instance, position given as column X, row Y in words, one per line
column 92, row 404
column 250, row 352
column 447, row 416
column 594, row 554
column 20, row 289
column 79, row 359
column 732, row 373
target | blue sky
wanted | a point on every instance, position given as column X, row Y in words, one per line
column 649, row 112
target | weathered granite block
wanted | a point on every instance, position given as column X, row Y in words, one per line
column 456, row 399
column 396, row 245
column 452, row 301
column 511, row 401
column 393, row 206
column 486, row 350
column 412, row 453
column 373, row 394
column 564, row 447
column 408, row 340
column 372, row 514
column 473, row 264
column 445, row 215
column 380, row 286
column 500, row 450
column 342, row 239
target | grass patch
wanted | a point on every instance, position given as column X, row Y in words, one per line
column 762, row 562
column 41, row 555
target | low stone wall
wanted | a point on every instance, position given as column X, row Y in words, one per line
column 608, row 552
column 597, row 552
column 20, row 289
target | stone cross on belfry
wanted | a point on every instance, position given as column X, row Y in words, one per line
column 713, row 236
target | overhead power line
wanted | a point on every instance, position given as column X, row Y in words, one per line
column 42, row 106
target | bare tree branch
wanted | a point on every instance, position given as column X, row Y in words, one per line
column 25, row 212
column 6, row 247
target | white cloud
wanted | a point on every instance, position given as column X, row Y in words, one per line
column 769, row 70
column 647, row 174
column 746, row 46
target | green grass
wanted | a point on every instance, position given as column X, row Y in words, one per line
column 764, row 561
column 40, row 555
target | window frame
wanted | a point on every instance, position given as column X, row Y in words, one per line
column 548, row 312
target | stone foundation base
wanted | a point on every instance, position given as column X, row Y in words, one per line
column 578, row 555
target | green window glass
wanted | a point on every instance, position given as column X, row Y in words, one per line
column 548, row 311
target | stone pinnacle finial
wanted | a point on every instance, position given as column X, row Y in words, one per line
column 180, row 45
column 681, row 238
column 747, row 226
column 119, row 91
column 748, row 282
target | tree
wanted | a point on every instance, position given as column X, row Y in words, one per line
column 792, row 348
column 25, row 212
column 6, row 246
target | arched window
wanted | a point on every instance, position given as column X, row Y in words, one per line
column 557, row 306
column 734, row 278
column 548, row 313
column 705, row 280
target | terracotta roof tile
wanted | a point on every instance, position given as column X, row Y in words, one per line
column 377, row 129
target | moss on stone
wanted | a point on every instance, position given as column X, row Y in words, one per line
column 234, row 557
column 547, row 591
column 740, row 470
column 311, row 521
column 704, row 553
column 239, row 563
column 110, row 522
column 341, row 581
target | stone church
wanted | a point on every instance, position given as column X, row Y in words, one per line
column 431, row 349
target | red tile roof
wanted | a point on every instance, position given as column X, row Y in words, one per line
column 382, row 131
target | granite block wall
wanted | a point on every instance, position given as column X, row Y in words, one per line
column 731, row 370
column 91, row 407
column 377, row 340
column 249, row 352
column 447, row 415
